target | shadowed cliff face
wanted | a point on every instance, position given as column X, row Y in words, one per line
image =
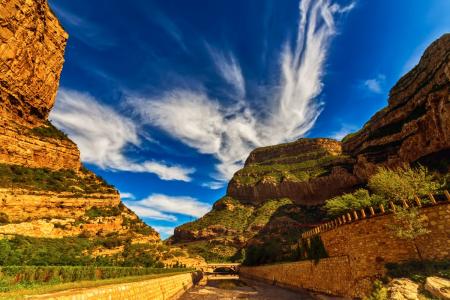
column 415, row 126
column 45, row 191
column 283, row 186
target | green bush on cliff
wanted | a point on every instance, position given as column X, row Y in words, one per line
column 75, row 251
column 387, row 185
column 15, row 176
column 48, row 130
column 299, row 171
column 403, row 183
column 95, row 212
column 348, row 202
column 419, row 270
column 227, row 212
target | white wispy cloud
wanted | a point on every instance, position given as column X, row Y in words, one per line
column 124, row 195
column 146, row 212
column 343, row 131
column 229, row 69
column 230, row 132
column 213, row 185
column 102, row 135
column 165, row 204
column 164, row 230
column 91, row 34
column 375, row 85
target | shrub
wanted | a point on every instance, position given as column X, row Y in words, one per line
column 403, row 183
column 312, row 250
column 44, row 274
column 379, row 292
column 95, row 212
column 354, row 201
column 419, row 270
column 408, row 225
column 49, row 131
column 50, row 180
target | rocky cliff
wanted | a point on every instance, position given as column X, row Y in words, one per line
column 307, row 171
column 279, row 191
column 45, row 192
column 415, row 126
column 31, row 59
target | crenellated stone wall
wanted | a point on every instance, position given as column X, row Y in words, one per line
column 358, row 253
column 164, row 288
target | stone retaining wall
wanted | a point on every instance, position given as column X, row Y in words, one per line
column 164, row 288
column 358, row 253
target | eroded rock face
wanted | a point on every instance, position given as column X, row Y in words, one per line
column 44, row 190
column 438, row 287
column 23, row 146
column 415, row 126
column 308, row 171
column 403, row 289
column 32, row 44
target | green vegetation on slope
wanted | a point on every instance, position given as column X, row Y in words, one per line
column 419, row 270
column 227, row 212
column 76, row 251
column 19, row 281
column 277, row 172
column 387, row 185
column 49, row 131
column 29, row 275
column 85, row 182
column 273, row 227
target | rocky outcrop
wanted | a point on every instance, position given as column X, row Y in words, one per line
column 32, row 44
column 438, row 287
column 415, row 126
column 308, row 171
column 45, row 192
column 34, row 148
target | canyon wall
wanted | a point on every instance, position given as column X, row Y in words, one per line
column 358, row 252
column 45, row 191
column 415, row 126
column 285, row 185
column 32, row 44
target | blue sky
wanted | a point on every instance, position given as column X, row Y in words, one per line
column 165, row 99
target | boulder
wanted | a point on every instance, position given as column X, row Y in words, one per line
column 438, row 287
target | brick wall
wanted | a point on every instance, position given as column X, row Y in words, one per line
column 358, row 252
column 164, row 288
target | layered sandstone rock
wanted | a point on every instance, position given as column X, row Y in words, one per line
column 32, row 46
column 415, row 126
column 45, row 192
column 64, row 214
column 23, row 146
column 308, row 171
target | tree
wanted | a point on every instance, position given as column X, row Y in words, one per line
column 354, row 201
column 403, row 183
column 409, row 225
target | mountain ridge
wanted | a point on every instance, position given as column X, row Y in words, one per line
column 413, row 129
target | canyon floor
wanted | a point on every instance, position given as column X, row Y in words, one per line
column 216, row 289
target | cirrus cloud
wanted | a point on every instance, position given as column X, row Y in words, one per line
column 102, row 135
column 230, row 132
